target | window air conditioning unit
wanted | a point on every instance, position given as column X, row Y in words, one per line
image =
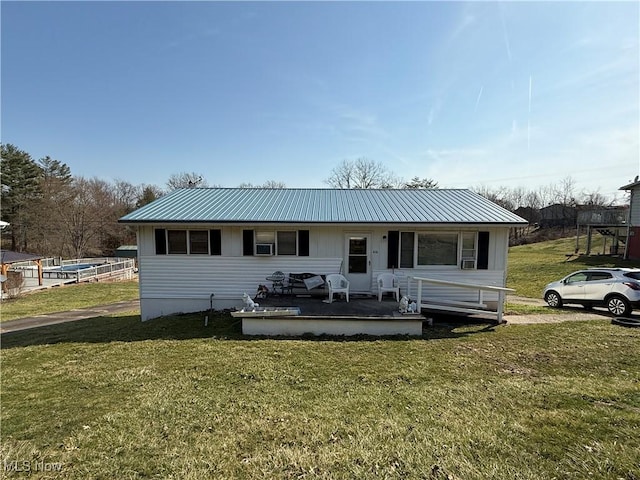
column 468, row 264
column 264, row 248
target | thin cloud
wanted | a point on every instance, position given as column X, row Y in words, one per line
column 505, row 32
column 478, row 99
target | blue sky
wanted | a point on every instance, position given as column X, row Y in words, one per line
column 468, row 94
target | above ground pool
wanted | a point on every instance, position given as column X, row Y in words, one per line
column 75, row 267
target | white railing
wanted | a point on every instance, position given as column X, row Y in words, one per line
column 110, row 266
column 477, row 305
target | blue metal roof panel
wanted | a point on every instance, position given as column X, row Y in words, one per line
column 242, row 205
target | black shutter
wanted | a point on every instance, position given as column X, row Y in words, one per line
column 215, row 241
column 483, row 250
column 303, row 243
column 247, row 242
column 161, row 241
column 393, row 250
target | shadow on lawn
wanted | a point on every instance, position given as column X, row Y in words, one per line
column 191, row 326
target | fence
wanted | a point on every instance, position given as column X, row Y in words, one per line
column 109, row 267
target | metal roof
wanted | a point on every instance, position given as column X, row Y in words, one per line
column 260, row 205
column 9, row 256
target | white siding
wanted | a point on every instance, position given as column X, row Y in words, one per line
column 184, row 283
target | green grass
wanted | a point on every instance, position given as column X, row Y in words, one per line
column 114, row 397
column 68, row 298
column 532, row 266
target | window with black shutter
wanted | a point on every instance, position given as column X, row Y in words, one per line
column 247, row 242
column 483, row 250
column 393, row 252
column 303, row 243
column 161, row 241
column 215, row 239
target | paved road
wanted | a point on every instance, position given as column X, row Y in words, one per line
column 69, row 316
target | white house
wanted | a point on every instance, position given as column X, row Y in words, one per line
column 203, row 247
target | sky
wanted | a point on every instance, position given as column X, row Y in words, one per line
column 469, row 94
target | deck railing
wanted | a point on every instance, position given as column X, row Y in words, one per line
column 477, row 305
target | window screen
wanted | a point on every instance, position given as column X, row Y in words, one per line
column 287, row 243
column 177, row 240
column 437, row 249
column 199, row 242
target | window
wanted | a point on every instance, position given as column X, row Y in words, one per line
column 578, row 277
column 469, row 245
column 287, row 243
column 438, row 249
column 177, row 241
column 199, row 242
column 595, row 276
column 195, row 242
column 468, row 250
column 283, row 242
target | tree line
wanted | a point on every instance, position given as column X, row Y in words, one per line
column 54, row 213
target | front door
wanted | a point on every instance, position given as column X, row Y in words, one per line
column 358, row 262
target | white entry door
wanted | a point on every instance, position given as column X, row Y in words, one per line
column 358, row 262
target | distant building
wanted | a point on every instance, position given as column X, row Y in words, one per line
column 632, row 250
column 558, row 215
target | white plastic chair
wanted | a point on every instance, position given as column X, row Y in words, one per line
column 337, row 284
column 388, row 283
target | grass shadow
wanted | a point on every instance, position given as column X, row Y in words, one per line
column 129, row 328
column 602, row 261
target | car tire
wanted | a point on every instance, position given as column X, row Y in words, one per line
column 618, row 306
column 553, row 299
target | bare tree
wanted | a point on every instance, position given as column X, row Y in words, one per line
column 186, row 180
column 267, row 184
column 596, row 199
column 362, row 173
column 499, row 195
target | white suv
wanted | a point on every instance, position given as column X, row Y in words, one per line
column 618, row 289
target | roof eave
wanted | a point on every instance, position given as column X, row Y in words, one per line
column 315, row 222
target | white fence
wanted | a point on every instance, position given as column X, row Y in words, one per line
column 109, row 267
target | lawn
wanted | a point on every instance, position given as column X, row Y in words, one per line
column 532, row 266
column 113, row 397
column 117, row 398
column 67, row 298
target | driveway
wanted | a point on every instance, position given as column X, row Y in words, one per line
column 68, row 316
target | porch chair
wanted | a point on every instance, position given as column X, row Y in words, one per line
column 388, row 283
column 337, row 284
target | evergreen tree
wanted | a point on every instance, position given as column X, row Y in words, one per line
column 20, row 190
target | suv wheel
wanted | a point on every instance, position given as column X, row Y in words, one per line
column 553, row 299
column 618, row 306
